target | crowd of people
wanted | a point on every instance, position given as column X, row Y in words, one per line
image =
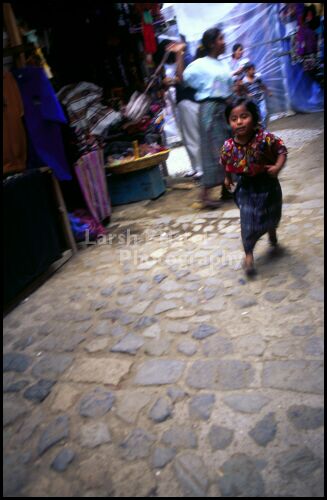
column 223, row 118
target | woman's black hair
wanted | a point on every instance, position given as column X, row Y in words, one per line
column 236, row 46
column 250, row 106
column 209, row 37
column 200, row 52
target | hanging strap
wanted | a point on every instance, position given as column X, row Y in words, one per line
column 157, row 71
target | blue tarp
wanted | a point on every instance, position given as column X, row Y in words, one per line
column 258, row 27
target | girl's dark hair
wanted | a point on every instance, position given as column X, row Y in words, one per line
column 249, row 65
column 250, row 106
column 209, row 37
column 236, row 46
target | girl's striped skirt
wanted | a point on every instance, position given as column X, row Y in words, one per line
column 259, row 199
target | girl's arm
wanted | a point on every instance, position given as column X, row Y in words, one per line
column 238, row 71
column 178, row 49
column 228, row 180
column 274, row 170
column 180, row 65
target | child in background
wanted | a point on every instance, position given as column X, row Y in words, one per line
column 255, row 90
column 238, row 61
column 237, row 65
column 256, row 156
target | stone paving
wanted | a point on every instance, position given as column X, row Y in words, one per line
column 149, row 365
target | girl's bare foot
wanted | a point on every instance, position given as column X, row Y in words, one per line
column 248, row 265
column 273, row 238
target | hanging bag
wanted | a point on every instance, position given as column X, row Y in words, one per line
column 139, row 103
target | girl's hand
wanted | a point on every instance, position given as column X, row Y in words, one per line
column 228, row 182
column 272, row 170
column 169, row 81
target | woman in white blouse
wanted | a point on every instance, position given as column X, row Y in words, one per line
column 212, row 80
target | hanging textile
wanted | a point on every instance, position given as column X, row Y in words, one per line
column 14, row 137
column 91, row 176
column 44, row 116
column 150, row 44
column 87, row 116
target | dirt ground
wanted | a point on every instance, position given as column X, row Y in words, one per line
column 149, row 365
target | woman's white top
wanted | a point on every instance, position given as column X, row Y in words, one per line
column 237, row 64
column 209, row 77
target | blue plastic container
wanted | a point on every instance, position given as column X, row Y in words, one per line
column 145, row 184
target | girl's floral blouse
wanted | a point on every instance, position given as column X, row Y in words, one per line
column 251, row 158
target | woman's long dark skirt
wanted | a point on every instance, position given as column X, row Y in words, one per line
column 213, row 133
column 259, row 199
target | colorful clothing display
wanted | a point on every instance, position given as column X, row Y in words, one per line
column 250, row 158
column 150, row 44
column 14, row 136
column 87, row 116
column 43, row 115
column 85, row 228
column 91, row 176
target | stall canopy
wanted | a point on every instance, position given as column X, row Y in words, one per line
column 259, row 28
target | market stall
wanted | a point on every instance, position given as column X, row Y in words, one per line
column 118, row 100
column 98, row 98
column 79, row 130
column 37, row 234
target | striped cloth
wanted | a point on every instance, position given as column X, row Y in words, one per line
column 213, row 133
column 259, row 199
column 91, row 177
column 87, row 115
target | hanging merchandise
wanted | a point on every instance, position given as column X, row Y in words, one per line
column 14, row 137
column 33, row 39
column 89, row 119
column 150, row 44
column 44, row 116
column 139, row 104
column 91, row 176
column 85, row 228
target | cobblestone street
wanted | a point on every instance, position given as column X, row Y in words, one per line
column 150, row 366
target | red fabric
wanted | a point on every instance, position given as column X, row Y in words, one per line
column 150, row 45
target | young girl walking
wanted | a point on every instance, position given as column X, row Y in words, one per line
column 256, row 156
column 256, row 90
